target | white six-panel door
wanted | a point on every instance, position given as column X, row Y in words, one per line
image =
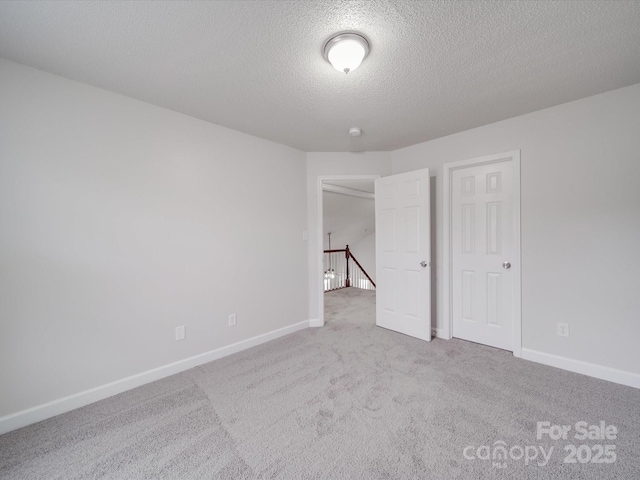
column 403, row 256
column 483, row 253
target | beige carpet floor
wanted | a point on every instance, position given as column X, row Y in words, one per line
column 349, row 400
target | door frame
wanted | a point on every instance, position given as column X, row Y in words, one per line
column 447, row 279
column 320, row 232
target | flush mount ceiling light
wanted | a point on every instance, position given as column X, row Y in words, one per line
column 345, row 51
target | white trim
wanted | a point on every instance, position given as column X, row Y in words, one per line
column 440, row 333
column 315, row 322
column 77, row 400
column 447, row 170
column 585, row 368
column 319, row 322
column 517, row 291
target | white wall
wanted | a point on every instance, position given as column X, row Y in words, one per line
column 335, row 164
column 580, row 221
column 365, row 253
column 348, row 218
column 120, row 221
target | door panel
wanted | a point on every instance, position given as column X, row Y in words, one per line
column 402, row 242
column 482, row 239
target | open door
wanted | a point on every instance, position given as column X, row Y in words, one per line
column 403, row 254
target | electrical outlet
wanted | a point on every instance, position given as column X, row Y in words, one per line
column 563, row 329
column 181, row 332
column 233, row 320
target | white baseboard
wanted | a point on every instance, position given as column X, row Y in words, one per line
column 591, row 369
column 316, row 322
column 77, row 400
column 440, row 333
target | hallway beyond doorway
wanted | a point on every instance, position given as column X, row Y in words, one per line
column 353, row 306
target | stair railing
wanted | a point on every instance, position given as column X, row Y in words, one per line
column 343, row 270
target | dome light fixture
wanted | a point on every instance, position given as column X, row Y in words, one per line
column 345, row 51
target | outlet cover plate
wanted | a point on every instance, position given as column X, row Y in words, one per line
column 233, row 319
column 563, row 329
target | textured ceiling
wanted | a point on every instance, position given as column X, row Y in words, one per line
column 435, row 67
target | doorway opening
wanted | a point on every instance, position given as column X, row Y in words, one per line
column 346, row 206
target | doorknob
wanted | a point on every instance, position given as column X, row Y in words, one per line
column 424, row 264
column 506, row 265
